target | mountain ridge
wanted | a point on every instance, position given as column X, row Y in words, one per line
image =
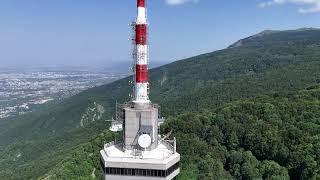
column 263, row 34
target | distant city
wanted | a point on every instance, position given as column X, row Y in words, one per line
column 20, row 91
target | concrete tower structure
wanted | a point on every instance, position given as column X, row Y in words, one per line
column 142, row 154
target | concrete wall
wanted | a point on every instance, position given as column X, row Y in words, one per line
column 143, row 120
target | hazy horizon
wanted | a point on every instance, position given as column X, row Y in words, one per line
column 114, row 67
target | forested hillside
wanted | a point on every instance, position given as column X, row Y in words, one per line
column 268, row 137
column 262, row 64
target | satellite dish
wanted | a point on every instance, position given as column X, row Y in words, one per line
column 144, row 141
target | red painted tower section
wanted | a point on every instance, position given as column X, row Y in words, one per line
column 141, row 3
column 141, row 34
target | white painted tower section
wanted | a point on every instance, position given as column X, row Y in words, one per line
column 142, row 16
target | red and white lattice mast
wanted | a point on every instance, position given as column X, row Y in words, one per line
column 141, row 94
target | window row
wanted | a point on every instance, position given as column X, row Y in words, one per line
column 140, row 172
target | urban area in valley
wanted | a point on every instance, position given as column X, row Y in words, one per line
column 22, row 91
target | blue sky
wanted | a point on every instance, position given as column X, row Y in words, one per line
column 96, row 32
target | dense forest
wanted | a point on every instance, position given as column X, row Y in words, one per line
column 269, row 137
column 226, row 91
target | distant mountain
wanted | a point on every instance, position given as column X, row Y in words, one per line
column 272, row 38
column 272, row 61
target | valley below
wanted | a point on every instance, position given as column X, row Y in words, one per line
column 24, row 91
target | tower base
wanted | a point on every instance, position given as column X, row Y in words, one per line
column 136, row 158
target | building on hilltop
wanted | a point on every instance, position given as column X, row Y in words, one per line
column 142, row 154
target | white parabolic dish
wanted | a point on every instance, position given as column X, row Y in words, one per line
column 144, row 141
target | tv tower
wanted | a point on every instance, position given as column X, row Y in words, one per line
column 142, row 154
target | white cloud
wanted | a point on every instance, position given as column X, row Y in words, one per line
column 179, row 2
column 309, row 6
